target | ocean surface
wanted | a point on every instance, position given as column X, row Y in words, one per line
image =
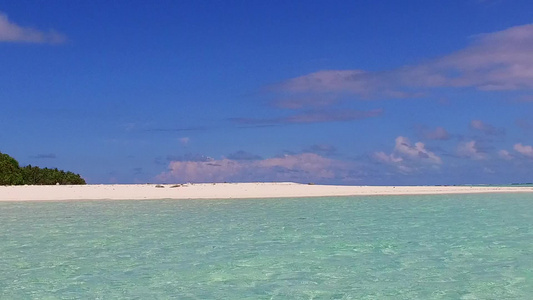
column 392, row 247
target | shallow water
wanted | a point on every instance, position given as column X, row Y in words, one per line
column 393, row 247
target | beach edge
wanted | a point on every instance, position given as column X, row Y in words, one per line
column 230, row 191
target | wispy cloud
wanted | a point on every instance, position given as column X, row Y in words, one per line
column 11, row 32
column 408, row 157
column 521, row 154
column 486, row 128
column 525, row 124
column 45, row 156
column 500, row 60
column 243, row 155
column 525, row 98
column 310, row 101
column 298, row 167
column 189, row 157
column 504, row 154
column 524, row 150
column 471, row 150
column 200, row 128
column 387, row 158
column 417, row 151
column 314, row 116
column 438, row 133
column 184, row 140
column 322, row 149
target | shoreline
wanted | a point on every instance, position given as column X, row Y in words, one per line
column 229, row 191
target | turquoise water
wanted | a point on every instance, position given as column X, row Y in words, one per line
column 401, row 247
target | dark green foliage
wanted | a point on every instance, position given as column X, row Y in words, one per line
column 38, row 176
column 12, row 174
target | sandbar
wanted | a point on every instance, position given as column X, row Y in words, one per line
column 229, row 191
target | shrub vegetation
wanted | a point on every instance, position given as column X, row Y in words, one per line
column 12, row 174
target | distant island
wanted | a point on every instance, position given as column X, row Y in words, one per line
column 12, row 174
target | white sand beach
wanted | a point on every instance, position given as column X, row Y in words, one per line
column 228, row 191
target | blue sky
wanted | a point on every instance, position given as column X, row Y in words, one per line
column 336, row 92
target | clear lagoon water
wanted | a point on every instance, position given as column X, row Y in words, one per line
column 393, row 247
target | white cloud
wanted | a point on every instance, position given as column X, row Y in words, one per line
column 505, row 155
column 417, row 151
column 356, row 81
column 201, row 171
column 407, row 157
column 500, row 60
column 525, row 150
column 470, row 150
column 299, row 167
column 477, row 124
column 387, row 158
column 315, row 116
column 184, row 140
column 11, row 32
column 438, row 134
column 486, row 128
column 489, row 170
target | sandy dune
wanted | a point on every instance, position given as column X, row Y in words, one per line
column 229, row 190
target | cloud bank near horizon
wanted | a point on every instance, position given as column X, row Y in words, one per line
column 406, row 158
column 307, row 166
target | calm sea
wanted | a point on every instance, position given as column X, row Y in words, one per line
column 394, row 247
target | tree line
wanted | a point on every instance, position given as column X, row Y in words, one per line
column 12, row 174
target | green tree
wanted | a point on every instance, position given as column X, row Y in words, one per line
column 31, row 175
column 10, row 173
column 38, row 176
